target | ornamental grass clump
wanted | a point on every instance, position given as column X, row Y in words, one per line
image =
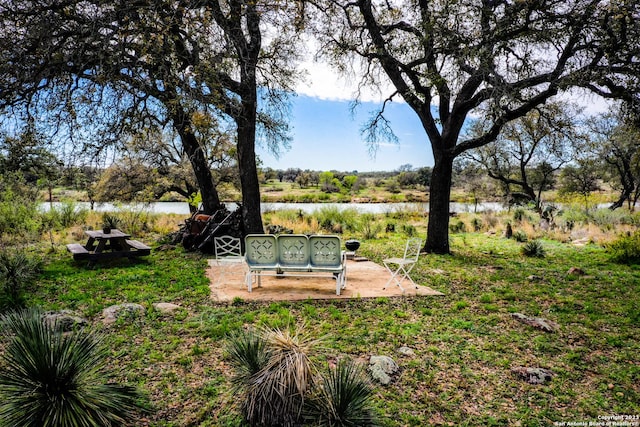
column 342, row 398
column 534, row 248
column 17, row 271
column 278, row 384
column 54, row 379
column 273, row 375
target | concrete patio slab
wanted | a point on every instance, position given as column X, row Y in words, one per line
column 365, row 279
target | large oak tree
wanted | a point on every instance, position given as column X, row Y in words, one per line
column 452, row 59
column 113, row 67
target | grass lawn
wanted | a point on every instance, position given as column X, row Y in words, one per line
column 465, row 342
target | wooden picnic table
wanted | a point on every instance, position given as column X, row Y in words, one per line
column 101, row 245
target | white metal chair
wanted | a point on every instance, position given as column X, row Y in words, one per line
column 228, row 251
column 401, row 267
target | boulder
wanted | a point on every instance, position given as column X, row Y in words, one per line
column 67, row 320
column 536, row 322
column 166, row 307
column 382, row 368
column 406, row 351
column 122, row 311
column 533, row 375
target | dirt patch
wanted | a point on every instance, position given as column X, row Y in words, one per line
column 365, row 279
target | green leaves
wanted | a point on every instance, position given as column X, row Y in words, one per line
column 56, row 379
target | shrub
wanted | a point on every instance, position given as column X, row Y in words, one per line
column 534, row 248
column 68, row 214
column 520, row 236
column 519, row 214
column 625, row 249
column 17, row 271
column 409, row 230
column 368, row 226
column 458, row 227
column 490, row 219
column 331, row 217
column 476, row 223
column 342, row 398
column 110, row 221
column 51, row 378
column 607, row 220
column 272, row 374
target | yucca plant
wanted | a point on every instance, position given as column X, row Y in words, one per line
column 55, row 379
column 342, row 398
column 272, row 377
column 534, row 248
column 17, row 270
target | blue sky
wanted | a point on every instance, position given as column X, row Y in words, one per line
column 326, row 136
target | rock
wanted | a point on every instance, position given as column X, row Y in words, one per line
column 576, row 271
column 381, row 368
column 119, row 311
column 536, row 322
column 166, row 307
column 534, row 278
column 533, row 375
column 67, row 320
column 406, row 351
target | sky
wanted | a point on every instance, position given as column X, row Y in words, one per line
column 326, row 134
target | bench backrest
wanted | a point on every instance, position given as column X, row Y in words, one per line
column 293, row 250
column 325, row 251
column 261, row 250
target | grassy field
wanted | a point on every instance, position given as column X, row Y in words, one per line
column 466, row 342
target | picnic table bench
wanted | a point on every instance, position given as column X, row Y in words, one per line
column 101, row 245
column 295, row 254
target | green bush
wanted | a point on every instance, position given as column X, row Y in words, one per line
column 55, row 378
column 520, row 236
column 625, row 249
column 274, row 379
column 369, row 227
column 328, row 217
column 458, row 227
column 66, row 214
column 19, row 209
column 342, row 397
column 17, row 271
column 607, row 220
column 272, row 375
column 409, row 230
column 534, row 248
column 519, row 214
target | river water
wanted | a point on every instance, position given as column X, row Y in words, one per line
column 181, row 208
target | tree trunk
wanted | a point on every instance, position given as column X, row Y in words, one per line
column 210, row 199
column 251, row 215
column 439, row 197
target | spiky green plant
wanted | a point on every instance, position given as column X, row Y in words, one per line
column 273, row 380
column 342, row 398
column 249, row 354
column 520, row 236
column 55, row 379
column 534, row 248
column 17, row 270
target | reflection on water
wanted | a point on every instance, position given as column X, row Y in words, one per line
column 182, row 208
